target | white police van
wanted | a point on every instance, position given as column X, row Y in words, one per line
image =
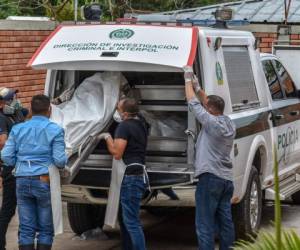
column 260, row 97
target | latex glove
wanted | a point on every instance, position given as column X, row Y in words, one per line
column 106, row 135
column 188, row 73
column 196, row 84
column 64, row 96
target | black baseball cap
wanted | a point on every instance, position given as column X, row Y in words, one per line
column 7, row 94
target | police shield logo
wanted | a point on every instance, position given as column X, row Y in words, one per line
column 121, row 34
column 219, row 74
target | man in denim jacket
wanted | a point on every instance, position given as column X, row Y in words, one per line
column 32, row 147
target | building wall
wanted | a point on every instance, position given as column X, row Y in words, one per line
column 266, row 40
column 20, row 39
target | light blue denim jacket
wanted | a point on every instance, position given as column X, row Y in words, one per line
column 33, row 146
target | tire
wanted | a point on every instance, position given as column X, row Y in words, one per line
column 296, row 198
column 247, row 217
column 83, row 217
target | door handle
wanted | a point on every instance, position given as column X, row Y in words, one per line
column 279, row 117
column 294, row 112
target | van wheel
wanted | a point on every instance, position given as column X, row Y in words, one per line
column 83, row 217
column 296, row 198
column 247, row 213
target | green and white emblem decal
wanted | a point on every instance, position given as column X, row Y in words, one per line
column 121, row 34
column 219, row 74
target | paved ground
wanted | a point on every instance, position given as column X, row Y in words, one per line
column 173, row 232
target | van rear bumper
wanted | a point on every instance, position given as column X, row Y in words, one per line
column 100, row 178
column 90, row 195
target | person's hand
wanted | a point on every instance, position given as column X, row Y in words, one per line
column 188, row 73
column 56, row 101
column 64, row 96
column 65, row 172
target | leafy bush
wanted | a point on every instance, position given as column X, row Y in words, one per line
column 278, row 239
column 267, row 241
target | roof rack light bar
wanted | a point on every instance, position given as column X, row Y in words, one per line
column 183, row 22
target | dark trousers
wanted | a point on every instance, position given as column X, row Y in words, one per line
column 213, row 210
column 9, row 204
column 132, row 191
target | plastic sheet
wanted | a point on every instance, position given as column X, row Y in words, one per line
column 90, row 108
column 166, row 125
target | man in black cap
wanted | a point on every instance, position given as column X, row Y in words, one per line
column 11, row 112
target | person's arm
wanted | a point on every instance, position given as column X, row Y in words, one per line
column 190, row 93
column 116, row 146
column 3, row 132
column 191, row 83
column 58, row 150
column 3, row 138
column 8, row 153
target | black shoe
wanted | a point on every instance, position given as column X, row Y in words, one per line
column 43, row 247
column 26, row 247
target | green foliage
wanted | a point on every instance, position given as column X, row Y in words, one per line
column 111, row 8
column 117, row 8
column 280, row 239
column 20, row 8
column 268, row 241
column 277, row 200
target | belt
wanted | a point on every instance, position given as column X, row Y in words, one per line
column 132, row 174
column 44, row 177
column 134, row 169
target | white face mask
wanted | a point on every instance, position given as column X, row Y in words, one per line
column 8, row 110
column 117, row 117
column 11, row 107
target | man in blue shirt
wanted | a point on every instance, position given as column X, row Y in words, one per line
column 32, row 147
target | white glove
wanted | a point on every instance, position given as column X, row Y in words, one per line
column 64, row 96
column 106, row 136
column 196, row 84
column 188, row 73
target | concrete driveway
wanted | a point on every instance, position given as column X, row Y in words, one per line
column 173, row 232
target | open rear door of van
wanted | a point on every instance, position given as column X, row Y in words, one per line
column 117, row 48
column 143, row 48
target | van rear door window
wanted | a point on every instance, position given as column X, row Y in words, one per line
column 240, row 77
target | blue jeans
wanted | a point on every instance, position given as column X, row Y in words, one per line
column 132, row 192
column 213, row 210
column 35, row 212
